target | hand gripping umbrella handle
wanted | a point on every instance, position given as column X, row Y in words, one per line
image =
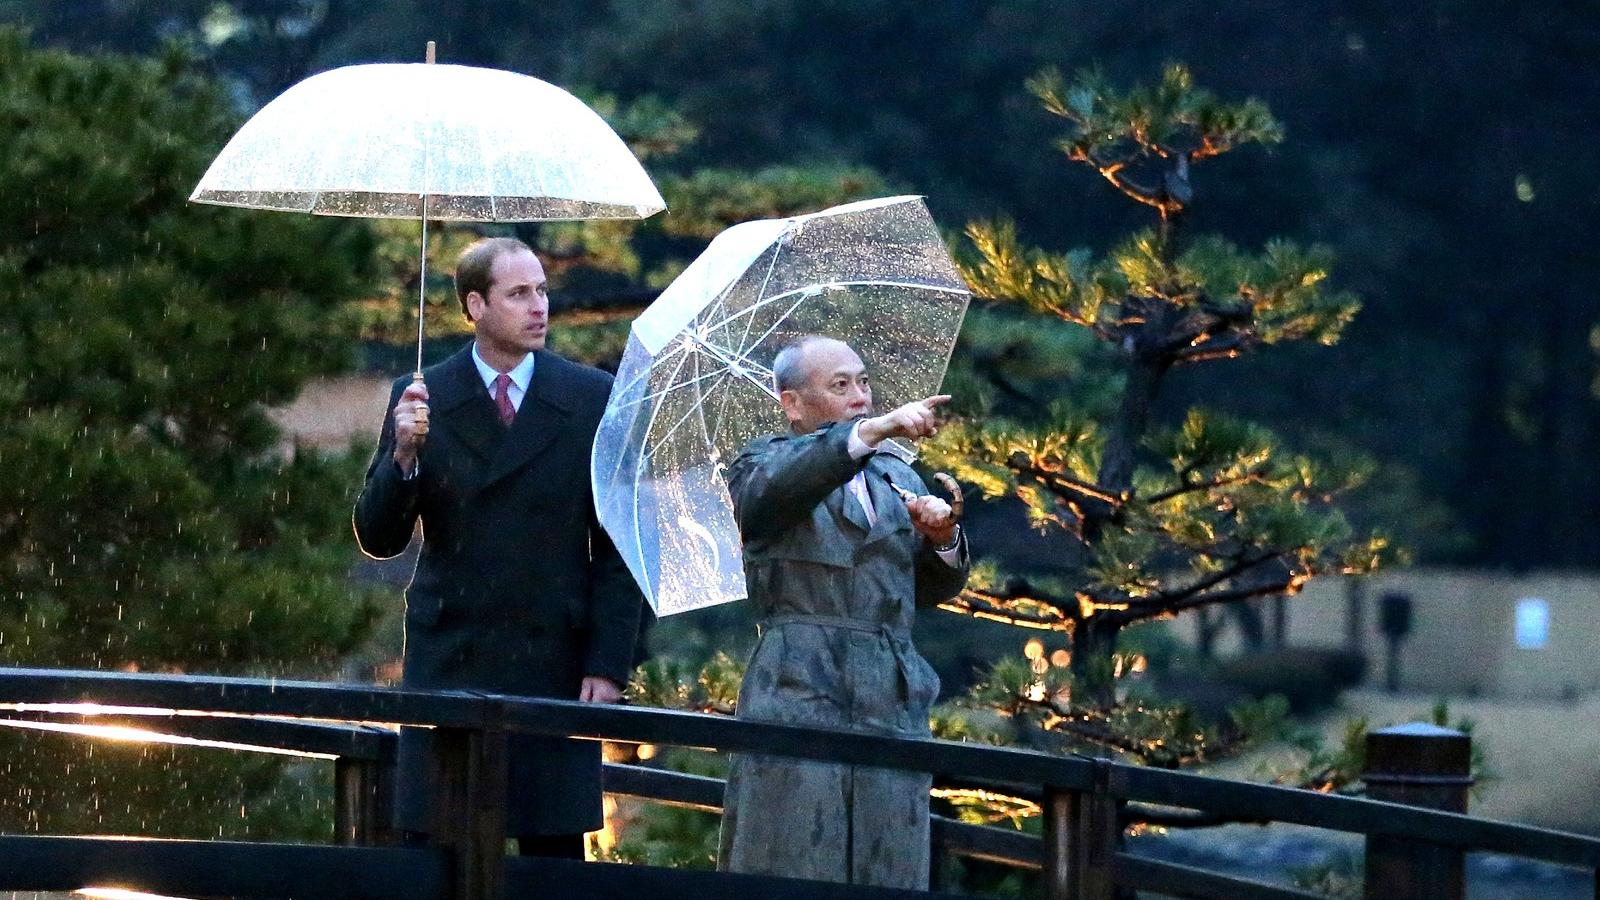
column 957, row 501
column 421, row 427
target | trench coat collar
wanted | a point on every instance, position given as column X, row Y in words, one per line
column 890, row 514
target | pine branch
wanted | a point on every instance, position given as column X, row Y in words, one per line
column 1094, row 726
column 1239, row 567
column 1286, row 586
column 1126, row 608
column 1102, row 735
column 1113, row 172
column 1229, row 346
column 1063, row 484
column 1253, row 476
column 1013, row 606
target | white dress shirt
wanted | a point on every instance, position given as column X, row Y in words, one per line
column 521, row 375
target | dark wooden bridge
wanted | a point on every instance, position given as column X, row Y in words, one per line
column 1412, row 851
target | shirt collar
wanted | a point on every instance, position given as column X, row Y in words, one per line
column 521, row 374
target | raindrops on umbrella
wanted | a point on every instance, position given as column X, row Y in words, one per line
column 695, row 383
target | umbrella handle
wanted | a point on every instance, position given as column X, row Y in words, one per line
column 422, row 414
column 958, row 502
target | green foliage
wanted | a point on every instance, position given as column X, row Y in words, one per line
column 1338, row 768
column 1150, row 520
column 1007, row 360
column 669, row 837
column 1341, row 878
column 707, row 201
column 671, row 683
column 1168, row 118
column 1063, row 285
column 658, row 835
column 70, row 785
column 153, row 517
column 1048, row 706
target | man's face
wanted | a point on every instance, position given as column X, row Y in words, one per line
column 515, row 317
column 835, row 389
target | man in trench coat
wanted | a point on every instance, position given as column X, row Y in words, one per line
column 517, row 589
column 835, row 563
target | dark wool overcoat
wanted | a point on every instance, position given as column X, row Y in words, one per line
column 517, row 589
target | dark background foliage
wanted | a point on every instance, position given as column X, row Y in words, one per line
column 1443, row 150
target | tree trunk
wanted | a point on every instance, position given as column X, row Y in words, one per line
column 1095, row 639
column 1133, row 420
column 1206, row 624
column 1093, row 643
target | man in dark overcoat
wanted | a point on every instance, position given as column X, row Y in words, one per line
column 841, row 543
column 517, row 588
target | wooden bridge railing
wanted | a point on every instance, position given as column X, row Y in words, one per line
column 1080, row 854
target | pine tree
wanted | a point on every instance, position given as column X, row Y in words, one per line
column 153, row 518
column 1152, row 519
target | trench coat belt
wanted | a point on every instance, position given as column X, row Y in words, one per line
column 898, row 639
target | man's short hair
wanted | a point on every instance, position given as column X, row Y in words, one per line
column 789, row 366
column 473, row 269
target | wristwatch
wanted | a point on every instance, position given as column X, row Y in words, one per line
column 955, row 541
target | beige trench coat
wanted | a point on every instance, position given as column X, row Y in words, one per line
column 836, row 599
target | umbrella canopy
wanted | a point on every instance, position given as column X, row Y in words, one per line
column 479, row 144
column 695, row 383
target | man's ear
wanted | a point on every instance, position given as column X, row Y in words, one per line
column 790, row 400
column 475, row 305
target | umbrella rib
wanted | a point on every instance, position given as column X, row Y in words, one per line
column 679, row 348
column 816, row 289
column 735, row 360
column 651, row 424
column 767, row 279
column 673, row 388
column 684, row 418
column 717, row 305
column 775, row 323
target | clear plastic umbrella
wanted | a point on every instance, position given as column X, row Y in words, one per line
column 695, row 383
column 430, row 141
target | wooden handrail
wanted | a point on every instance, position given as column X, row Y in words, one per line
column 229, row 709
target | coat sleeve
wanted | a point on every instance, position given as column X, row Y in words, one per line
column 386, row 512
column 775, row 483
column 937, row 580
column 615, row 607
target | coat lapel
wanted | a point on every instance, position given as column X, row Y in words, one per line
column 459, row 402
column 544, row 412
column 890, row 509
column 845, row 505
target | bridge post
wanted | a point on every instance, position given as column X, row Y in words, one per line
column 1422, row 765
column 1080, row 841
column 363, row 796
column 470, row 808
column 355, row 801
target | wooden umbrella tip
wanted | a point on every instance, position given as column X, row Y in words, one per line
column 430, row 56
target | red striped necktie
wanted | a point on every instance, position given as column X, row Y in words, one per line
column 502, row 399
